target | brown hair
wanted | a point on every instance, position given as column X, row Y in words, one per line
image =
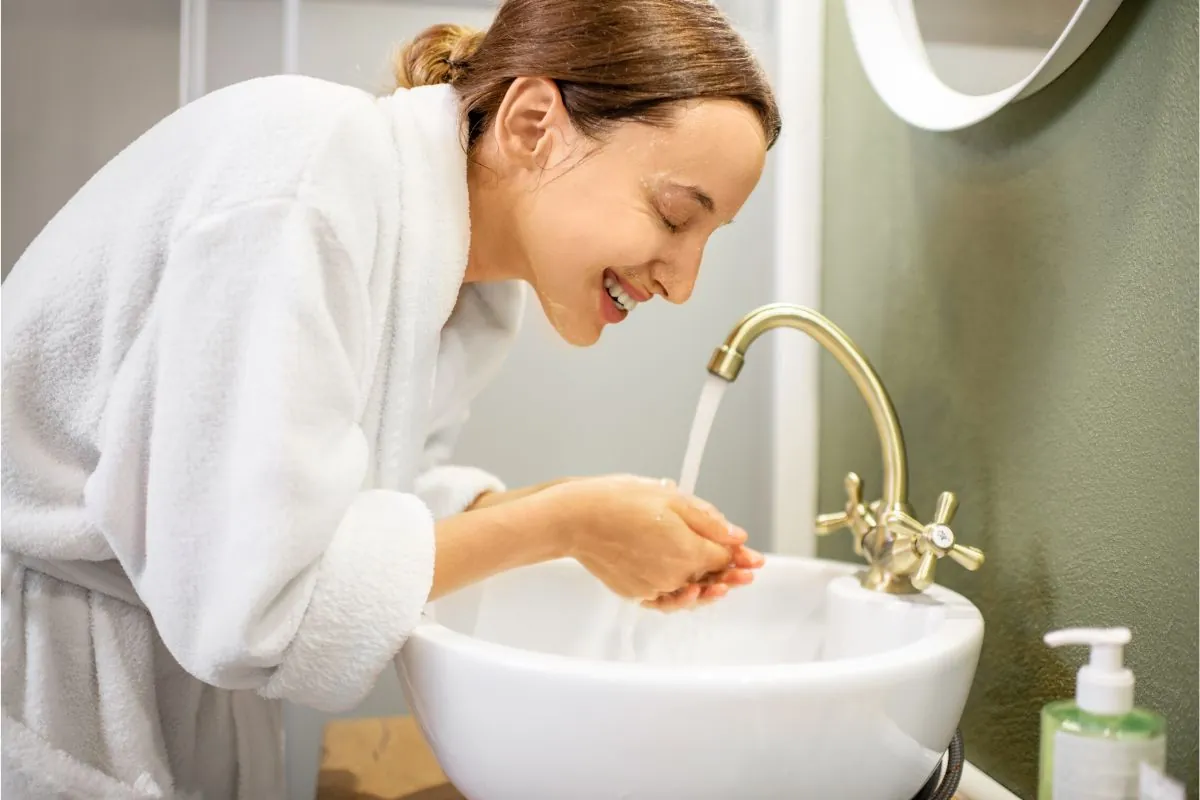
column 612, row 61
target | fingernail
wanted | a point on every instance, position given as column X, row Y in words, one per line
column 737, row 533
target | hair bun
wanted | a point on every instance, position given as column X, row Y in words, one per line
column 437, row 55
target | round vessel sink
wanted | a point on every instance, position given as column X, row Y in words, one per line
column 539, row 684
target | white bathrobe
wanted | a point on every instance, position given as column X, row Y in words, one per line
column 234, row 367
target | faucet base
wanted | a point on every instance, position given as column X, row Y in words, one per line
column 879, row 580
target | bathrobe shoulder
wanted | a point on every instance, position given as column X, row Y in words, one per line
column 234, row 367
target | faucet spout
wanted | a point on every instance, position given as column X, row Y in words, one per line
column 901, row 552
column 727, row 362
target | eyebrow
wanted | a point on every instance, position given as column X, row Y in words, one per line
column 699, row 195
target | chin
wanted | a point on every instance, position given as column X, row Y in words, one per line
column 581, row 340
column 578, row 335
column 576, row 329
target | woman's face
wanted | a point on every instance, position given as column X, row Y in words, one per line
column 601, row 227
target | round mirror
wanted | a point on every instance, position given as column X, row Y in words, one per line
column 946, row 64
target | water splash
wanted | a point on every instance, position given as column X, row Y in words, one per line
column 706, row 411
column 627, row 618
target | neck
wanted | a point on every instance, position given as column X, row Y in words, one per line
column 494, row 253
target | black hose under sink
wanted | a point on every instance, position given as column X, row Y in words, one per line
column 942, row 784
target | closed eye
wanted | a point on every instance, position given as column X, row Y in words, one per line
column 668, row 224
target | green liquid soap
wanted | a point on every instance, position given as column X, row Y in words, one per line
column 1093, row 746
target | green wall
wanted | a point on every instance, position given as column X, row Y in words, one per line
column 1028, row 291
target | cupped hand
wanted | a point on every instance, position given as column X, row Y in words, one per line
column 648, row 541
column 713, row 586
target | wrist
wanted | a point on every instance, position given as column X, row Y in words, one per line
column 490, row 498
column 543, row 513
column 486, row 499
column 475, row 545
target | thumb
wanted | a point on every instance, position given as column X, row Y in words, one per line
column 716, row 557
column 704, row 518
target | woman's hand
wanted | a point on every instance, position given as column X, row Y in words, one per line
column 714, row 586
column 648, row 541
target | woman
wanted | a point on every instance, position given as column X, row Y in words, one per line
column 235, row 364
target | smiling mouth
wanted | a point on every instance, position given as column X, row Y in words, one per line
column 617, row 294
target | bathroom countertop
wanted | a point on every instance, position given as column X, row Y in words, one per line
column 382, row 758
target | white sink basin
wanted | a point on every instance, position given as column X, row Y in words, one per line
column 802, row 685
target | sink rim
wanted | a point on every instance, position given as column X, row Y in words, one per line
column 962, row 630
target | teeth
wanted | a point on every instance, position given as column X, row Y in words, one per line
column 618, row 294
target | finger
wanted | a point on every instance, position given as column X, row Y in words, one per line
column 642, row 480
column 687, row 595
column 708, row 593
column 716, row 558
column 746, row 558
column 730, row 577
column 712, row 593
column 663, row 606
column 675, row 600
column 704, row 518
column 670, row 597
column 739, row 534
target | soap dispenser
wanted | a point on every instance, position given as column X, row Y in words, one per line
column 1092, row 747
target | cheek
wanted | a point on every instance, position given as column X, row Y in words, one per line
column 575, row 237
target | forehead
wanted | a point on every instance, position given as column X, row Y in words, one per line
column 718, row 145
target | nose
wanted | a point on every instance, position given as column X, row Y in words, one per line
column 675, row 277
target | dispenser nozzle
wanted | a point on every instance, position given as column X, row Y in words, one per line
column 1105, row 685
column 1108, row 644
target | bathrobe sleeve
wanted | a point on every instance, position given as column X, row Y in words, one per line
column 446, row 488
column 230, row 479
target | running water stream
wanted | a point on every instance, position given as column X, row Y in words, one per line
column 706, row 412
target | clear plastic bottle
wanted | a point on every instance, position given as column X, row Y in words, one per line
column 1092, row 747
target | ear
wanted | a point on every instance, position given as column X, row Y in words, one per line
column 532, row 127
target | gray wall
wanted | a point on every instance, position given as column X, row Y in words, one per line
column 82, row 79
column 82, row 85
column 1028, row 290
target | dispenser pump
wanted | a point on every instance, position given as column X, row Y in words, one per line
column 1104, row 685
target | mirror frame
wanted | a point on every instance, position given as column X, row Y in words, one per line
column 892, row 52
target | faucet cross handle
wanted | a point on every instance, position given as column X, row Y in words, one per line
column 937, row 540
column 855, row 515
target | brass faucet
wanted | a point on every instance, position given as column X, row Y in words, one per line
column 901, row 553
